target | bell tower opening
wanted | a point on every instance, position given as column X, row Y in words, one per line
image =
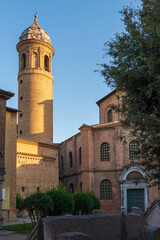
column 23, row 60
column 35, row 60
column 46, row 63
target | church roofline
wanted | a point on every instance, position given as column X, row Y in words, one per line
column 70, row 138
column 106, row 125
column 40, row 144
column 5, row 94
column 107, row 96
column 12, row 109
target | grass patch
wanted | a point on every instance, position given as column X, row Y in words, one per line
column 25, row 229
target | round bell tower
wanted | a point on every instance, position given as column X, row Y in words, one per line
column 35, row 85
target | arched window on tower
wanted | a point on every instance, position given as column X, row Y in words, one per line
column 46, row 63
column 80, row 156
column 71, row 188
column 35, row 60
column 105, row 152
column 134, row 151
column 70, row 159
column 62, row 166
column 23, row 60
column 106, row 190
column 109, row 116
column 80, row 186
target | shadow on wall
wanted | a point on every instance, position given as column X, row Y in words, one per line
column 47, row 128
column 37, row 175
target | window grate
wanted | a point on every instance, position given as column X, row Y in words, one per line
column 106, row 190
column 134, row 152
column 105, row 152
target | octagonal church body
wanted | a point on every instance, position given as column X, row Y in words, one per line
column 95, row 160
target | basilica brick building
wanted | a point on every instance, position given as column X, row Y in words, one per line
column 95, row 160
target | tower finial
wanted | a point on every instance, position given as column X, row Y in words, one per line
column 35, row 16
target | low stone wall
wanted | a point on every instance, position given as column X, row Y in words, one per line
column 95, row 227
column 152, row 233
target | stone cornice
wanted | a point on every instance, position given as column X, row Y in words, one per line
column 107, row 125
column 89, row 171
column 34, row 41
column 5, row 94
column 12, row 109
column 35, row 155
column 36, row 71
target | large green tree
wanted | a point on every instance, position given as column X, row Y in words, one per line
column 134, row 68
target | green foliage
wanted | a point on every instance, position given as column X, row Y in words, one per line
column 38, row 204
column 60, row 186
column 134, row 68
column 19, row 202
column 94, row 199
column 83, row 203
column 62, row 201
column 26, row 228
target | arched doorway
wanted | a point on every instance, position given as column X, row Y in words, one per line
column 134, row 189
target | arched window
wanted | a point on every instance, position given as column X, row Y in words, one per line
column 134, row 152
column 35, row 60
column 46, row 63
column 80, row 156
column 23, row 60
column 105, row 190
column 23, row 188
column 105, row 152
column 80, row 186
column 135, row 176
column 71, row 188
column 109, row 116
column 70, row 159
column 62, row 166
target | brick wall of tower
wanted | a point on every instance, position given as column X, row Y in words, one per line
column 35, row 100
column 105, row 106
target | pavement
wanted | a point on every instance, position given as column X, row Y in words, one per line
column 12, row 235
column 26, row 220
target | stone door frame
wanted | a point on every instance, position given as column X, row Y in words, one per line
column 125, row 185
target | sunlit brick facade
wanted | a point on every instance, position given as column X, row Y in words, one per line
column 100, row 167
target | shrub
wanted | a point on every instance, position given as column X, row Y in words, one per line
column 83, row 203
column 19, row 202
column 95, row 200
column 38, row 205
column 62, row 201
column 60, row 186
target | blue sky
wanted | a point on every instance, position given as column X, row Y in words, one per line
column 78, row 30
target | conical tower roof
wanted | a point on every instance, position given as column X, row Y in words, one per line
column 35, row 32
